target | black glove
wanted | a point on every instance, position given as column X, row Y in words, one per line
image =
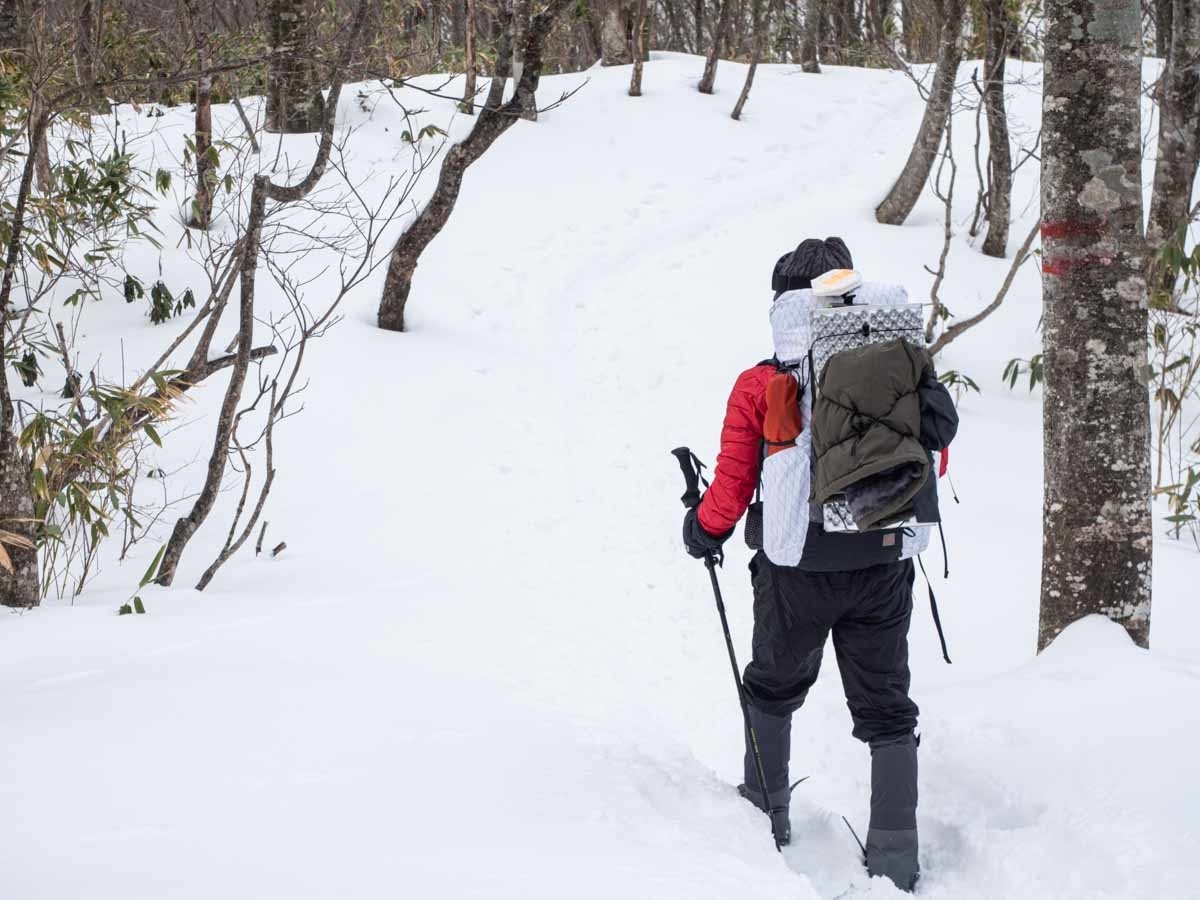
column 699, row 542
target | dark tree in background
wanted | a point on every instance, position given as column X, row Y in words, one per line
column 492, row 122
column 906, row 190
column 294, row 100
column 616, row 29
column 810, row 41
column 999, row 153
column 719, row 39
column 1097, row 534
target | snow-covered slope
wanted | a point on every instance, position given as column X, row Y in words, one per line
column 485, row 668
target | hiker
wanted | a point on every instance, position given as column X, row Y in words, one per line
column 855, row 585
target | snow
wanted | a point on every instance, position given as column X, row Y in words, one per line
column 484, row 667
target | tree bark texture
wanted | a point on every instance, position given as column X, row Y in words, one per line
column 21, row 587
column 1163, row 27
column 758, row 28
column 639, row 49
column 920, row 21
column 188, row 525
column 1097, row 535
column 1178, row 140
column 468, row 104
column 904, row 194
column 87, row 39
column 719, row 39
column 615, row 27
column 999, row 152
column 811, row 38
column 206, row 174
column 699, row 17
column 493, row 121
column 12, row 29
column 495, row 95
column 294, row 101
column 522, row 14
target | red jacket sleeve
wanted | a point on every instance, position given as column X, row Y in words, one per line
column 741, row 453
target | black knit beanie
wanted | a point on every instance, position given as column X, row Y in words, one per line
column 813, row 258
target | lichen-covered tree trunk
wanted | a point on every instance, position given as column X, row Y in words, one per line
column 811, row 39
column 904, row 194
column 720, row 38
column 522, row 15
column 294, row 101
column 1178, row 140
column 615, row 31
column 1097, row 536
column 206, row 174
column 20, row 587
column 999, row 153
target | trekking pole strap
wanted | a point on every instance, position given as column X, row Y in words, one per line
column 937, row 620
column 692, row 470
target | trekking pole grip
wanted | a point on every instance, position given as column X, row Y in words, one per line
column 691, row 496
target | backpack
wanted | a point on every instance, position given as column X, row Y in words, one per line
column 810, row 332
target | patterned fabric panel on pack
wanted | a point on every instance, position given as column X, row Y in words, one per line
column 839, row 328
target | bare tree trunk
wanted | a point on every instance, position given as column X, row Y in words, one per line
column 639, row 49
column 206, row 175
column 205, row 168
column 522, row 15
column 20, row 587
column 812, row 36
column 1163, row 27
column 719, row 39
column 188, row 525
column 699, row 15
column 1097, row 535
column 904, row 194
column 614, row 33
column 294, row 101
column 922, row 22
column 1178, row 141
column 12, row 32
column 87, row 38
column 43, row 174
column 999, row 152
column 468, row 104
column 758, row 26
column 492, row 123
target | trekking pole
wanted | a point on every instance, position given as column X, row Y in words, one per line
column 689, row 464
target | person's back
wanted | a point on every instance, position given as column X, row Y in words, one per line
column 845, row 585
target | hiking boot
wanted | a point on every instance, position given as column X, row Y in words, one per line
column 781, row 825
column 892, row 835
column 893, row 854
